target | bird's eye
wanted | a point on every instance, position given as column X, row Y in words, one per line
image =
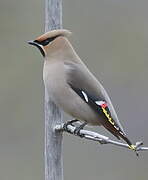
column 45, row 42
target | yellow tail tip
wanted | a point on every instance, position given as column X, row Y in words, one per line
column 132, row 147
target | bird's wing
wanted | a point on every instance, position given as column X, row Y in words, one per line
column 93, row 93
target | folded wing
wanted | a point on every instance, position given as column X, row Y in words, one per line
column 92, row 92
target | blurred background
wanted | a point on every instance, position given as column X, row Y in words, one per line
column 111, row 36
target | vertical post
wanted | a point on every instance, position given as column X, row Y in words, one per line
column 53, row 116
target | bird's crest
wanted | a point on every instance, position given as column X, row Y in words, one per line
column 54, row 33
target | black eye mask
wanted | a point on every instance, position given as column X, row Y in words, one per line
column 46, row 41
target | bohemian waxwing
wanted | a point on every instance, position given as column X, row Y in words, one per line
column 73, row 87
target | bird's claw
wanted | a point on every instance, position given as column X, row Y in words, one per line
column 77, row 132
column 65, row 126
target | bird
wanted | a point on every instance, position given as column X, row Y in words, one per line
column 72, row 86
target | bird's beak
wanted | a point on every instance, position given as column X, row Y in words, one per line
column 39, row 46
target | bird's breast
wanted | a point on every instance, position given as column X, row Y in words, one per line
column 61, row 93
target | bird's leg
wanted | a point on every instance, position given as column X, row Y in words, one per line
column 77, row 130
column 69, row 123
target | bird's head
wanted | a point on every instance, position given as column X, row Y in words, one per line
column 46, row 40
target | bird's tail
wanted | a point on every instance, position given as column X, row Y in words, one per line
column 131, row 146
column 119, row 134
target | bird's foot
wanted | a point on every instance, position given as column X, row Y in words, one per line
column 77, row 130
column 65, row 126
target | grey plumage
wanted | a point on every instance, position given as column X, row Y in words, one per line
column 73, row 87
